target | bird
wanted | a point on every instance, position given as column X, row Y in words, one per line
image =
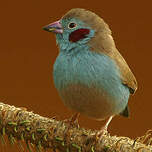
column 90, row 75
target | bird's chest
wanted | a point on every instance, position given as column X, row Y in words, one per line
column 85, row 69
column 82, row 69
column 90, row 81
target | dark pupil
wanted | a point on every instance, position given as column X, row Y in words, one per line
column 72, row 25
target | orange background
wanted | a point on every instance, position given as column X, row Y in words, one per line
column 27, row 54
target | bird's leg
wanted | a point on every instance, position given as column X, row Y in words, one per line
column 103, row 130
column 73, row 121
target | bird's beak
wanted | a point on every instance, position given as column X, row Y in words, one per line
column 55, row 27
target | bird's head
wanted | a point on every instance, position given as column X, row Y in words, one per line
column 78, row 27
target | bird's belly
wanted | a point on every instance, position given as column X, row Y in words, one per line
column 90, row 84
column 90, row 101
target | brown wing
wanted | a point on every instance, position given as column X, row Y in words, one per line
column 127, row 76
column 104, row 44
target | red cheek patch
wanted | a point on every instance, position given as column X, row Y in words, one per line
column 78, row 35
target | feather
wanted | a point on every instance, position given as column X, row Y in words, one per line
column 102, row 42
column 125, row 112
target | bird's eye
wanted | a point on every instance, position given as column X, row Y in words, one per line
column 72, row 25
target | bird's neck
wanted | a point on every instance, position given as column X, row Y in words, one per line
column 68, row 47
column 100, row 42
column 75, row 50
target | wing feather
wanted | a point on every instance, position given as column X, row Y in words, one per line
column 127, row 76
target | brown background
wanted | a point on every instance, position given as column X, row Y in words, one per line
column 27, row 54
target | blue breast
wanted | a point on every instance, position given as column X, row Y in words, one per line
column 82, row 66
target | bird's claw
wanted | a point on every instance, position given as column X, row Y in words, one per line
column 100, row 133
column 103, row 130
column 73, row 121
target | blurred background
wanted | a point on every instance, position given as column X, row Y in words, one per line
column 27, row 54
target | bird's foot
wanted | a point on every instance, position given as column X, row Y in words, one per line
column 103, row 130
column 73, row 121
